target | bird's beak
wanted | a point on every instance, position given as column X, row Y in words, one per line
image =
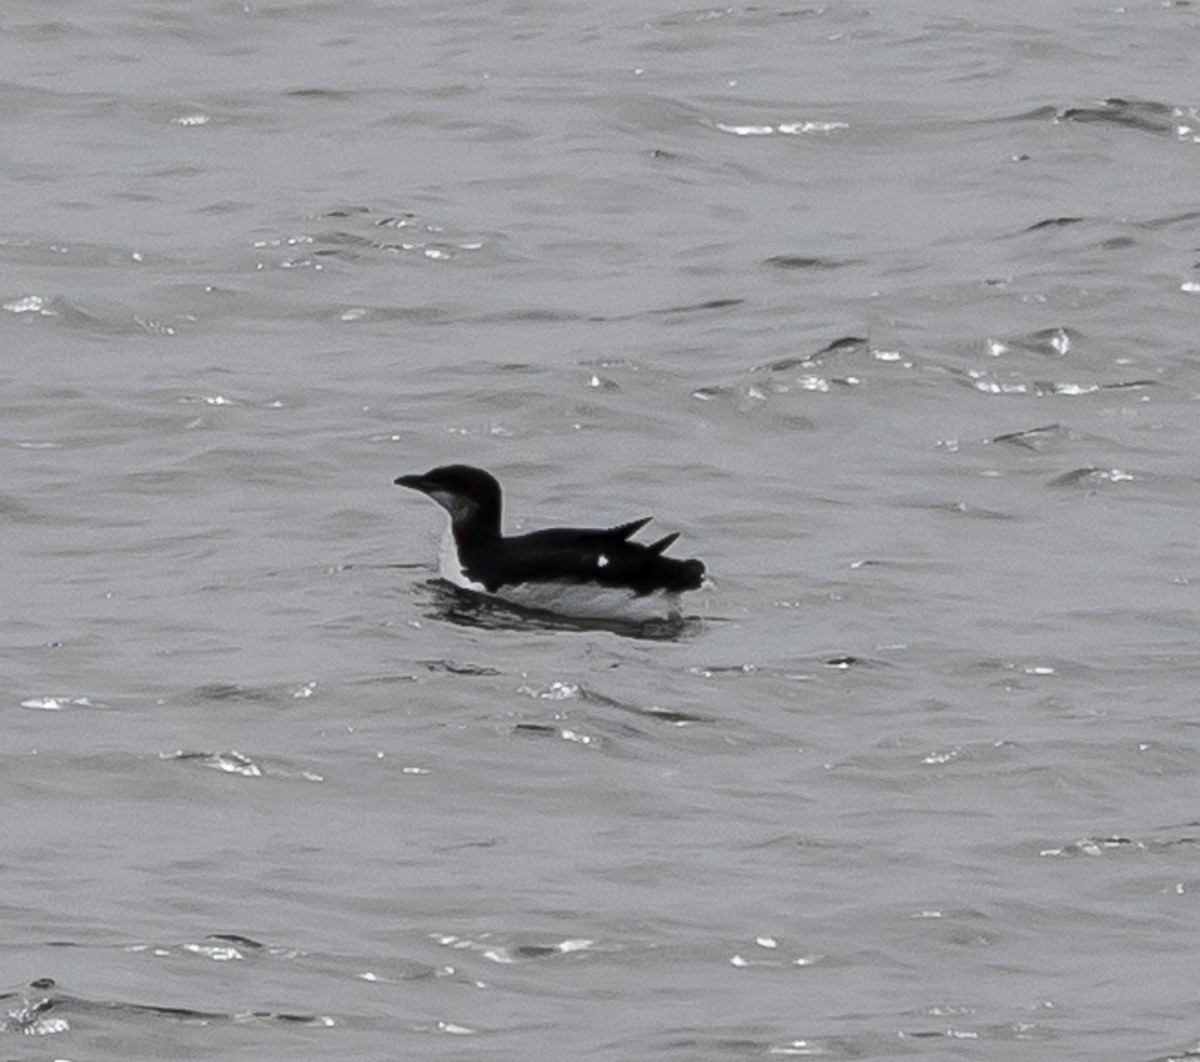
column 413, row 482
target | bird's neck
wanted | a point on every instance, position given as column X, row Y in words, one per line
column 475, row 526
column 465, row 542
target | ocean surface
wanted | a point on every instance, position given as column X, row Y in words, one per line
column 891, row 309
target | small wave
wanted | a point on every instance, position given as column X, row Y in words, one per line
column 1148, row 116
column 40, row 1009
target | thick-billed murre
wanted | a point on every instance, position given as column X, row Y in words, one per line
column 569, row 570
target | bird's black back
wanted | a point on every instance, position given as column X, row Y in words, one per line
column 574, row 555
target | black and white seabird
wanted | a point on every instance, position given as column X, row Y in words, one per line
column 569, row 570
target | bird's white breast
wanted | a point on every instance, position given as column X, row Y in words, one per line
column 450, row 567
column 589, row 601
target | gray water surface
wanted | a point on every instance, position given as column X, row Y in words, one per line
column 890, row 310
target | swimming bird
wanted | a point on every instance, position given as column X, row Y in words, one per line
column 568, row 570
